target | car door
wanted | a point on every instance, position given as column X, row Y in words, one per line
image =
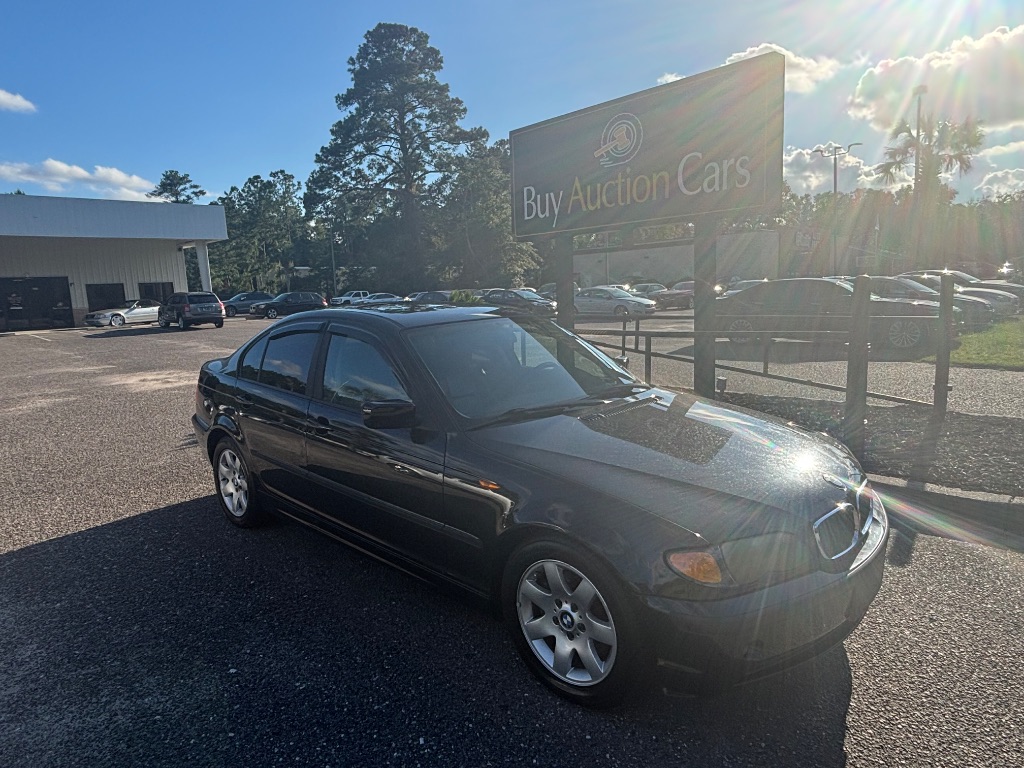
column 271, row 398
column 384, row 484
column 145, row 311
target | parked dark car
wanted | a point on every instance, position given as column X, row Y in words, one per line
column 430, row 297
column 970, row 281
column 520, row 299
column 240, row 303
column 185, row 309
column 618, row 526
column 288, row 304
column 805, row 307
column 976, row 313
column 665, row 298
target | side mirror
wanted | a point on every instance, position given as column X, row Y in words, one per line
column 622, row 360
column 389, row 414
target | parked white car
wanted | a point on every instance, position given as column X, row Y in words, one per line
column 607, row 300
column 349, row 297
column 131, row 311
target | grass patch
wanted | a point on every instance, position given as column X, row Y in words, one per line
column 1000, row 347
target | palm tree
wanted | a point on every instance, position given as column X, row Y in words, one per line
column 939, row 146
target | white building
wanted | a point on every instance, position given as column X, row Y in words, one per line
column 63, row 257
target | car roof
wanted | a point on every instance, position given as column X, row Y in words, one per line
column 403, row 314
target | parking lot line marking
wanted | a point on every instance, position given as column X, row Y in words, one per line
column 37, row 336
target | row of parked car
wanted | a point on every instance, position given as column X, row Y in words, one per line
column 903, row 308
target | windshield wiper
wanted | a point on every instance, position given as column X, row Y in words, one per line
column 564, row 406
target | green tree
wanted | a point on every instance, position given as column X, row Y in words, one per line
column 473, row 224
column 266, row 227
column 938, row 147
column 400, row 126
column 176, row 187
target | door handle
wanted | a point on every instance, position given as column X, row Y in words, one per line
column 321, row 425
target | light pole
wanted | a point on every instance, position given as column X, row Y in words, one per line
column 334, row 269
column 916, row 207
column 835, row 153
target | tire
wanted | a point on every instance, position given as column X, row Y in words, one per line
column 272, row 313
column 117, row 321
column 740, row 331
column 231, row 311
column 236, row 490
column 218, row 323
column 621, row 311
column 586, row 650
column 182, row 323
column 906, row 334
column 162, row 322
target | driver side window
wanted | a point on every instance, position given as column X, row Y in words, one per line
column 355, row 372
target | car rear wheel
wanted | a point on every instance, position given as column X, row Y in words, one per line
column 117, row 321
column 906, row 334
column 182, row 323
column 571, row 623
column 235, row 489
column 740, row 331
column 231, row 311
column 271, row 313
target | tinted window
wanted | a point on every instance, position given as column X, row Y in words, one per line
column 202, row 298
column 249, row 368
column 287, row 360
column 355, row 372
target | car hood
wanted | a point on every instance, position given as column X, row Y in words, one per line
column 719, row 472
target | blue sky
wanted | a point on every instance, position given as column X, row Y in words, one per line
column 98, row 99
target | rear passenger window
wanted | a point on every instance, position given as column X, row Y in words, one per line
column 252, row 360
column 287, row 360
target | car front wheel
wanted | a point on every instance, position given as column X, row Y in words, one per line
column 740, row 331
column 906, row 334
column 117, row 321
column 571, row 623
column 235, row 489
column 231, row 311
column 271, row 313
column 162, row 322
column 621, row 310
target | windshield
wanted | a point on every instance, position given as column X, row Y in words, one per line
column 916, row 286
column 618, row 293
column 490, row 366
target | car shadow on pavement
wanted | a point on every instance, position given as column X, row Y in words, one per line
column 173, row 638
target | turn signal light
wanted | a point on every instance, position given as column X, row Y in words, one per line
column 699, row 566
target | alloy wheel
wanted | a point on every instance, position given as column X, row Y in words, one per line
column 233, row 483
column 566, row 622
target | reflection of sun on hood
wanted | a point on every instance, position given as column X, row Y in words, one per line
column 683, row 458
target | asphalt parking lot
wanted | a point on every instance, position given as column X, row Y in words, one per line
column 139, row 628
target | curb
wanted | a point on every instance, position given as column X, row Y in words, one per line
column 991, row 518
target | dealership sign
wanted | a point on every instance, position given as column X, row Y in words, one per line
column 711, row 143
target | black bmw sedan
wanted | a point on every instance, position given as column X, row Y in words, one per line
column 620, row 527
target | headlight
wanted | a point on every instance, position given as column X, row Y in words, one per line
column 741, row 561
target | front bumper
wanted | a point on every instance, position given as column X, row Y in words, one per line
column 722, row 642
column 96, row 322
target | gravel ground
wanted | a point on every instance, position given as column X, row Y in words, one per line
column 138, row 628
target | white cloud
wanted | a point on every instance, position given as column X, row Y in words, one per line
column 15, row 102
column 56, row 176
column 971, row 78
column 1001, row 182
column 1013, row 148
column 803, row 75
column 807, row 171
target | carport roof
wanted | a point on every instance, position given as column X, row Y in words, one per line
column 40, row 216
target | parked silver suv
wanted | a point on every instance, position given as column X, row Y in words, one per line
column 191, row 308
